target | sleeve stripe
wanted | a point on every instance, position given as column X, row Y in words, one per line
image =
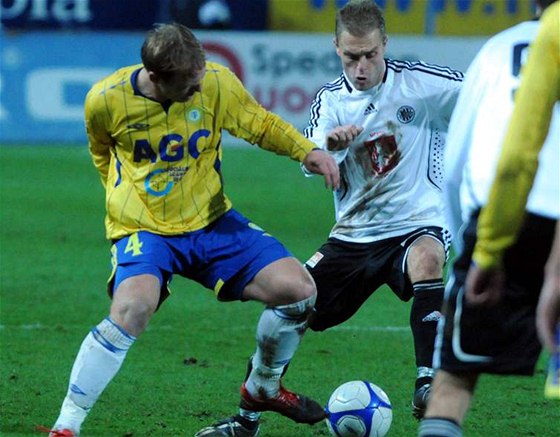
column 316, row 105
column 433, row 69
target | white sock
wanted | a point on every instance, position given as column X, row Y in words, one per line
column 439, row 427
column 279, row 333
column 100, row 357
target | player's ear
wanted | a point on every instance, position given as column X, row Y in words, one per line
column 335, row 42
column 153, row 77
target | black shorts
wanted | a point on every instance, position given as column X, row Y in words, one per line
column 346, row 274
column 501, row 339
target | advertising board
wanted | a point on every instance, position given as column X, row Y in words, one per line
column 44, row 76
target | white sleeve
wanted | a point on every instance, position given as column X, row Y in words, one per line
column 458, row 144
column 448, row 100
column 441, row 91
column 323, row 119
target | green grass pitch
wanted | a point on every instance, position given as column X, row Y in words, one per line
column 185, row 370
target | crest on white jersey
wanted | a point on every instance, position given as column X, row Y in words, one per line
column 405, row 114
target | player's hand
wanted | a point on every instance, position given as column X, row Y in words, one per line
column 341, row 137
column 320, row 162
column 484, row 287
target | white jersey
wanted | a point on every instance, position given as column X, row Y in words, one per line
column 478, row 126
column 391, row 175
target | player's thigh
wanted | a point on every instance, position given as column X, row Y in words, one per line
column 142, row 264
column 239, row 260
column 282, row 282
column 406, row 254
column 345, row 277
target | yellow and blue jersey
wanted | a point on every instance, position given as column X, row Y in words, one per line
column 160, row 162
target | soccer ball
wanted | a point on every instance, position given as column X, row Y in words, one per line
column 359, row 409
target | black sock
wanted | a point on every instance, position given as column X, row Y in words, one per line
column 249, row 424
column 422, row 380
column 424, row 315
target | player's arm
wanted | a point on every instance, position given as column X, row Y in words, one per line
column 324, row 128
column 320, row 162
column 100, row 142
column 341, row 137
column 447, row 99
column 441, row 91
column 246, row 119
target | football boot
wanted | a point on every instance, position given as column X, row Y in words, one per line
column 230, row 427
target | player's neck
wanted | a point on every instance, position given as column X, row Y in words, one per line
column 147, row 87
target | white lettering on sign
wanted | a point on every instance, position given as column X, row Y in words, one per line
column 47, row 91
column 279, row 63
column 63, row 11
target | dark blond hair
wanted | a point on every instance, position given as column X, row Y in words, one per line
column 172, row 48
column 360, row 17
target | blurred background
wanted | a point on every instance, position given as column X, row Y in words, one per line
column 52, row 51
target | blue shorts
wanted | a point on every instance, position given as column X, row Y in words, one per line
column 224, row 257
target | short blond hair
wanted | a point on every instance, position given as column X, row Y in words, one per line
column 359, row 17
column 172, row 48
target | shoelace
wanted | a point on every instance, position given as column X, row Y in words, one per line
column 286, row 396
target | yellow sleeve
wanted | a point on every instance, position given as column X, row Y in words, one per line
column 100, row 142
column 539, row 90
column 247, row 119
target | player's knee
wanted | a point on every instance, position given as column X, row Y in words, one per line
column 133, row 316
column 303, row 294
column 433, row 266
column 307, row 288
column 288, row 284
column 425, row 265
column 297, row 286
column 135, row 301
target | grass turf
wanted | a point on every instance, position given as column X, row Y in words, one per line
column 185, row 370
